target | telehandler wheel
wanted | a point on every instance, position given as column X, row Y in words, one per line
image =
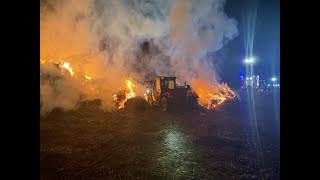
column 164, row 104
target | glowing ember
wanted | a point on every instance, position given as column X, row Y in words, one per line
column 42, row 61
column 87, row 77
column 66, row 65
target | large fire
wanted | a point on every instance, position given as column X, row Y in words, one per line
column 125, row 93
column 209, row 96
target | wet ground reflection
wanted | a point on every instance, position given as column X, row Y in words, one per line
column 175, row 154
column 156, row 145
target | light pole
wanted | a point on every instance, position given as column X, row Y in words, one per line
column 249, row 61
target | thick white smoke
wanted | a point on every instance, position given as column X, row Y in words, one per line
column 110, row 40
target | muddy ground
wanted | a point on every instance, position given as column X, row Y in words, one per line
column 239, row 141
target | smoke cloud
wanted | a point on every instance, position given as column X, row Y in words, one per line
column 110, row 40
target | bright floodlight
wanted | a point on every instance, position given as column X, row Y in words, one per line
column 249, row 60
column 273, row 79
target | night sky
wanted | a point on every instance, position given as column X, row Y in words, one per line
column 266, row 45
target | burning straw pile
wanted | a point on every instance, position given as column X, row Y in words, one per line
column 95, row 44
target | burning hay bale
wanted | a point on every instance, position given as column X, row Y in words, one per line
column 119, row 98
column 214, row 96
column 122, row 95
column 137, row 104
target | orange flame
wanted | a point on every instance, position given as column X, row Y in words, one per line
column 130, row 88
column 66, row 65
column 212, row 96
column 127, row 93
column 87, row 77
column 209, row 96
